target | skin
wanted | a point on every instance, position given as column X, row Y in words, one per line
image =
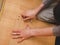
column 28, row 32
column 29, row 14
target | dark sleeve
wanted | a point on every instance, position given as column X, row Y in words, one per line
column 47, row 3
column 57, row 13
column 56, row 30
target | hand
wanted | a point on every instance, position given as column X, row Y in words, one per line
column 22, row 34
column 28, row 14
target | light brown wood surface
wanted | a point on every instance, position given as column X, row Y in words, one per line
column 11, row 19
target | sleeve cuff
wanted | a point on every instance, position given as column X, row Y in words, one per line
column 47, row 3
column 56, row 30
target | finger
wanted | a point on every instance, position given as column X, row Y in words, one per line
column 18, row 31
column 14, row 34
column 21, row 40
column 16, row 37
column 26, row 18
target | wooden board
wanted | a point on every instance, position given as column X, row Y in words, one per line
column 11, row 19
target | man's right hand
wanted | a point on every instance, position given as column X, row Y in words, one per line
column 29, row 14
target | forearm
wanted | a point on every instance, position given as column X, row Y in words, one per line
column 43, row 32
column 44, row 4
column 49, row 31
column 39, row 8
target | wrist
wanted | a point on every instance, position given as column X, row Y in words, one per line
column 34, row 32
column 39, row 7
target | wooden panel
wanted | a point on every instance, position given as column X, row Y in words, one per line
column 11, row 19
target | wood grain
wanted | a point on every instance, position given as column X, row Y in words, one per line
column 11, row 19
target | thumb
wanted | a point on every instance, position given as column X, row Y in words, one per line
column 26, row 18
